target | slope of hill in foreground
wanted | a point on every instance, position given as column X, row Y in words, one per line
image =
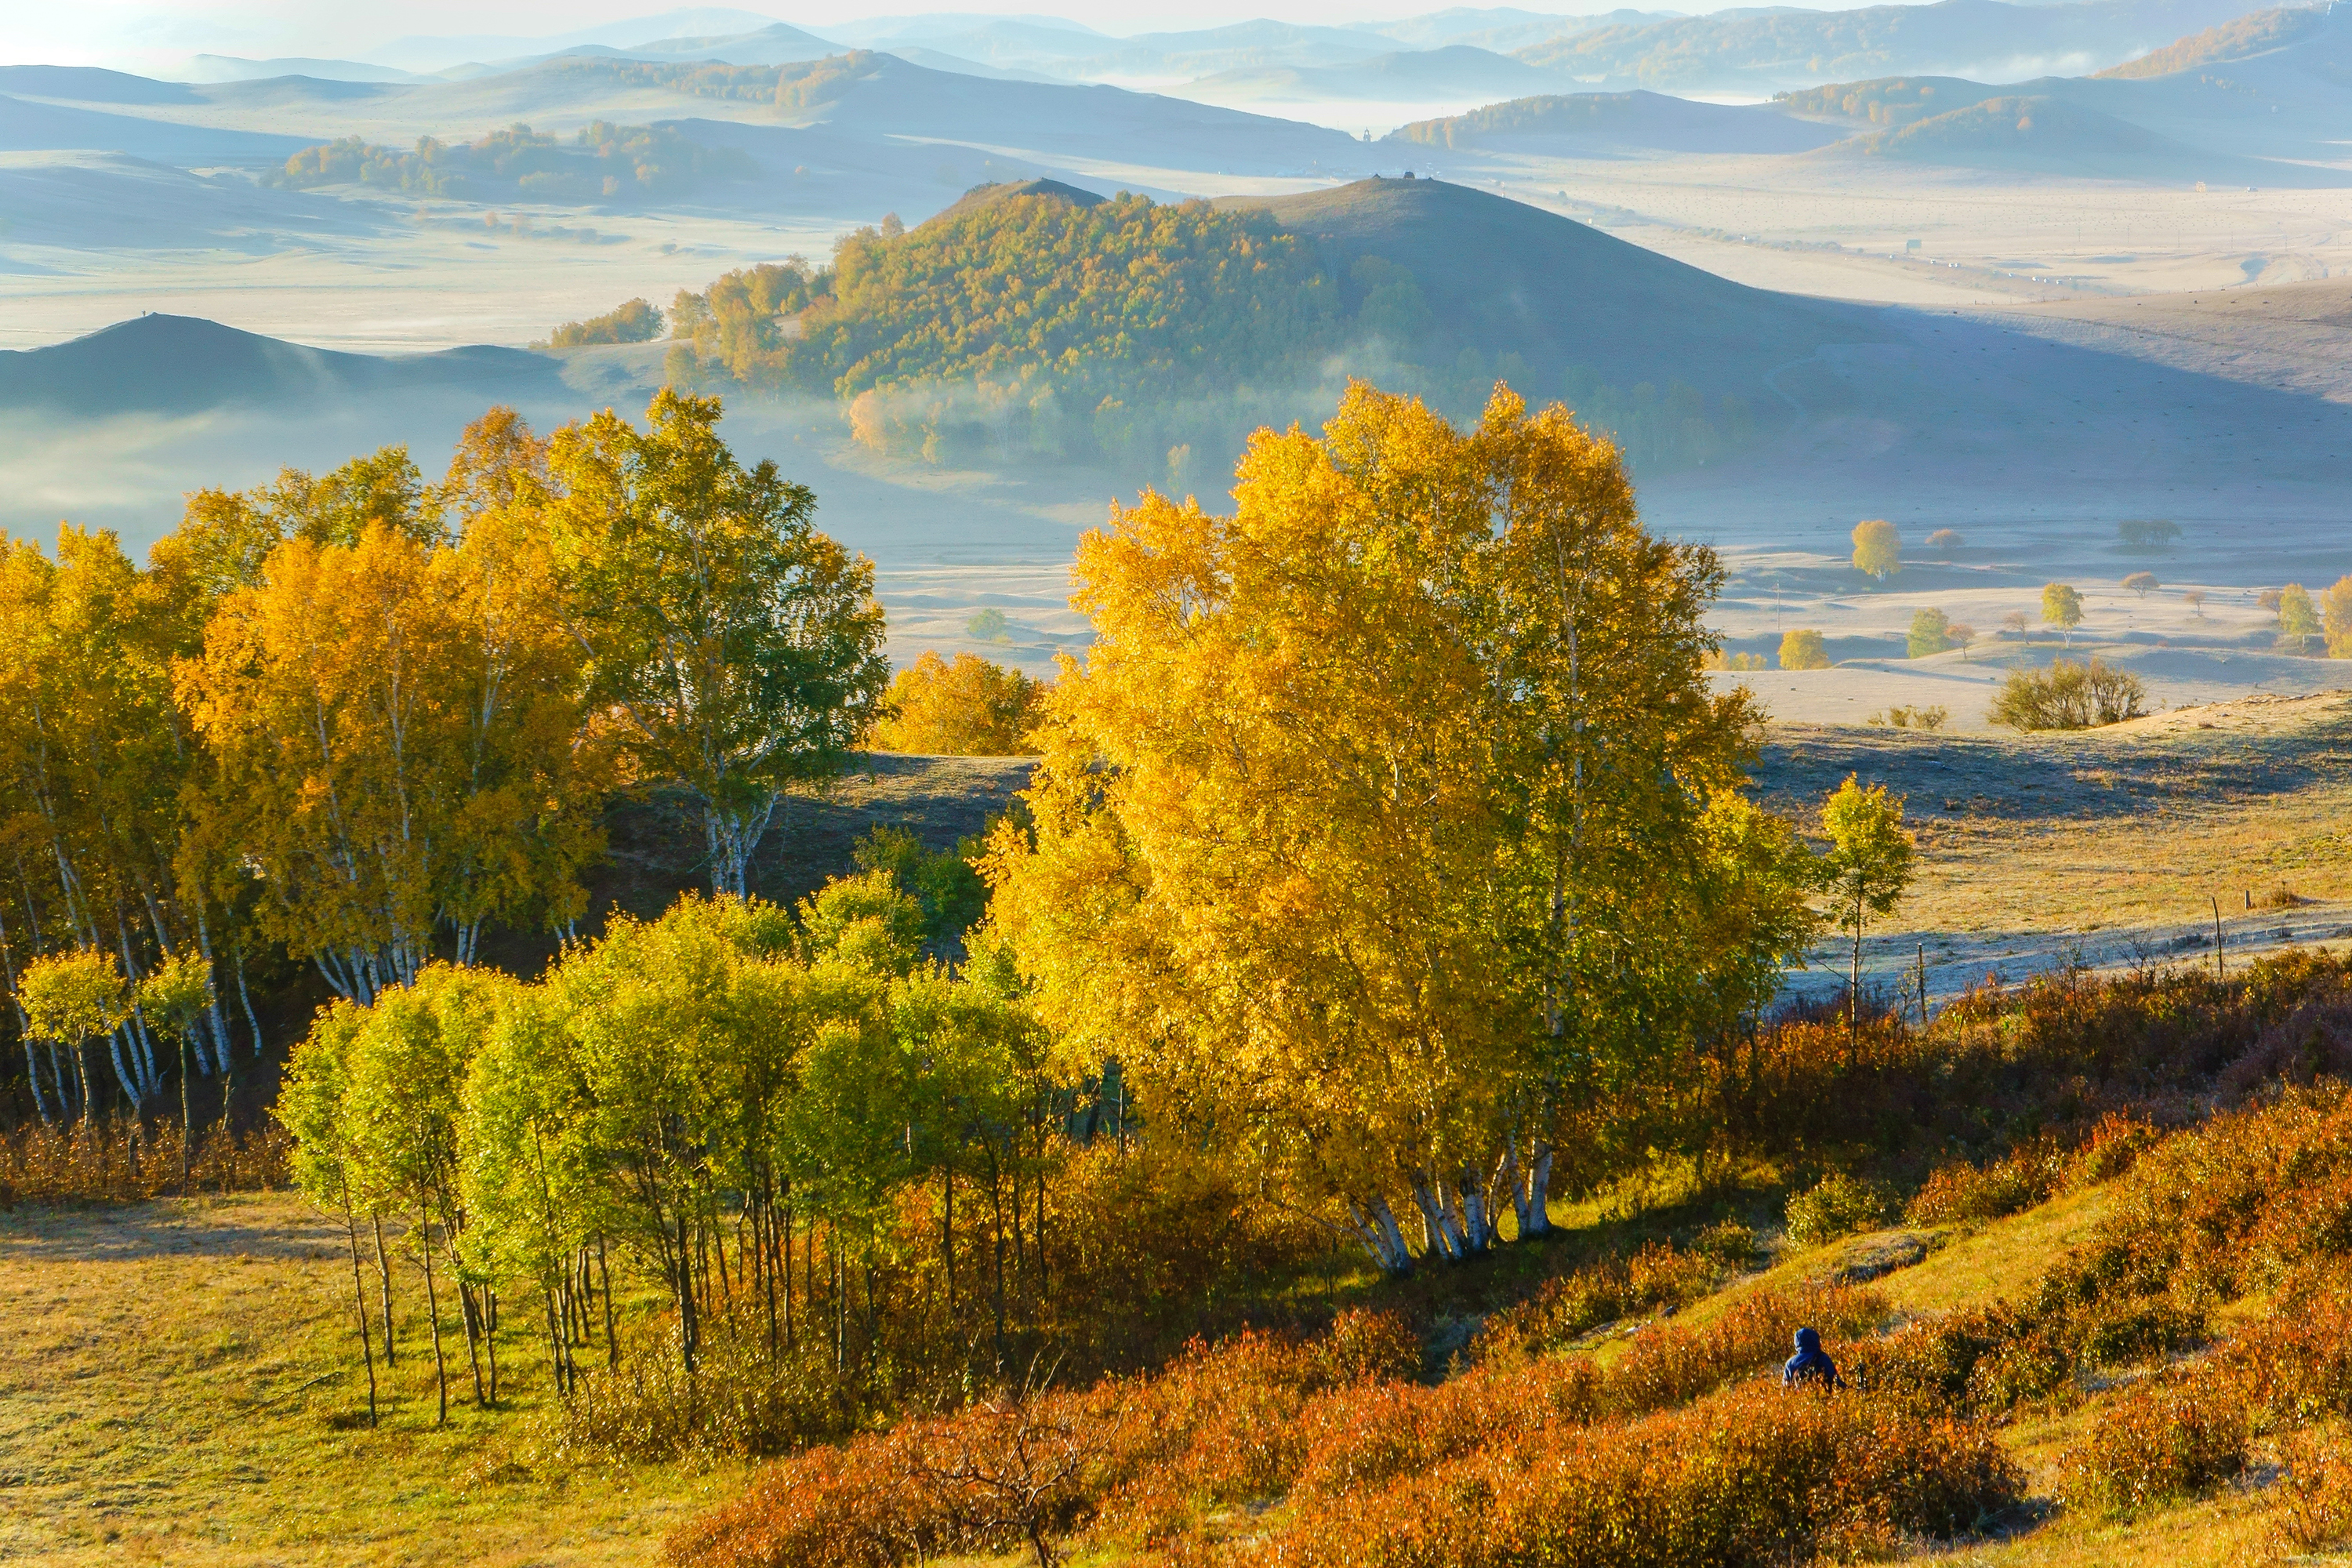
column 183, row 364
column 1505, row 276
column 1565, row 123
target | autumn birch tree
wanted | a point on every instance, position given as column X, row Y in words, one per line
column 1363, row 835
column 737, row 649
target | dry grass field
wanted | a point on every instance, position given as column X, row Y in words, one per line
column 180, row 1384
column 2110, row 846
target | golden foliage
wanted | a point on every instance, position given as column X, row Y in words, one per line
column 1327, row 846
column 1877, row 548
column 972, row 708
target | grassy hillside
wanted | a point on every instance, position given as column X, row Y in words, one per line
column 2036, row 133
column 1648, row 120
column 1506, row 276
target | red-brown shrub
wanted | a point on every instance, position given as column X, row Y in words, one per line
column 2159, row 1440
column 2317, row 1491
column 1667, row 1363
column 1568, row 1306
column 1754, row 1474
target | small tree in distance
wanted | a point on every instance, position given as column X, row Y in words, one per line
column 2061, row 607
column 1962, row 635
column 2195, row 600
column 2335, row 618
column 1931, row 632
column 1868, row 867
column 2142, row 583
column 971, row 707
column 1804, row 650
column 2152, row 533
column 1943, row 540
column 1877, row 548
column 2298, row 619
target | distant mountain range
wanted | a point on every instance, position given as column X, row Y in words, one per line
column 1756, row 50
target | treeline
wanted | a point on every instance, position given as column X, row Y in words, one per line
column 361, row 720
column 795, row 85
column 1028, row 325
column 602, row 162
column 1387, row 858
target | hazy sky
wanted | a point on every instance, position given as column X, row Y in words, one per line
column 125, row 33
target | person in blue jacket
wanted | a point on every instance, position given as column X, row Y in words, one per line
column 1809, row 1366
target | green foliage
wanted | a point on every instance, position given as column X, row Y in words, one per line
column 2067, row 696
column 2061, row 607
column 602, row 162
column 1869, row 863
column 2298, row 619
column 946, row 885
column 634, row 321
column 1837, row 1205
column 1931, row 633
column 739, row 648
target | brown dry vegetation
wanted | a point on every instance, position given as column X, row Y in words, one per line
column 2125, row 835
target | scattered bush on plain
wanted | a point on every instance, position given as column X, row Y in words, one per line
column 2068, row 696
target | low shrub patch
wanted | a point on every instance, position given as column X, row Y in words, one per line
column 1754, row 1474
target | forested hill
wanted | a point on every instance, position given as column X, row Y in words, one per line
column 1038, row 319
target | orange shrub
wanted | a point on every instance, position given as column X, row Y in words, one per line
column 2160, row 1440
column 1754, row 1474
column 1371, row 1435
column 1667, row 1363
column 2317, row 1492
column 1569, row 1306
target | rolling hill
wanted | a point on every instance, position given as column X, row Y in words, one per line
column 28, row 125
column 1643, row 120
column 1453, row 70
column 1775, row 49
column 2262, row 102
column 1502, row 277
column 2036, row 133
column 2242, row 39
column 877, row 98
column 182, row 365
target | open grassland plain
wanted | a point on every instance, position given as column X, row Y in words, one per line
column 2111, row 847
column 179, row 1384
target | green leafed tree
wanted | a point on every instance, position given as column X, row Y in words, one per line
column 1931, row 632
column 2061, row 607
column 1868, row 867
column 738, row 650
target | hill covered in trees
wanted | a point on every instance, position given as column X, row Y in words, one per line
column 602, row 162
column 1035, row 319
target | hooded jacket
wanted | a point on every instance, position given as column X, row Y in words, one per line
column 1810, row 1364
